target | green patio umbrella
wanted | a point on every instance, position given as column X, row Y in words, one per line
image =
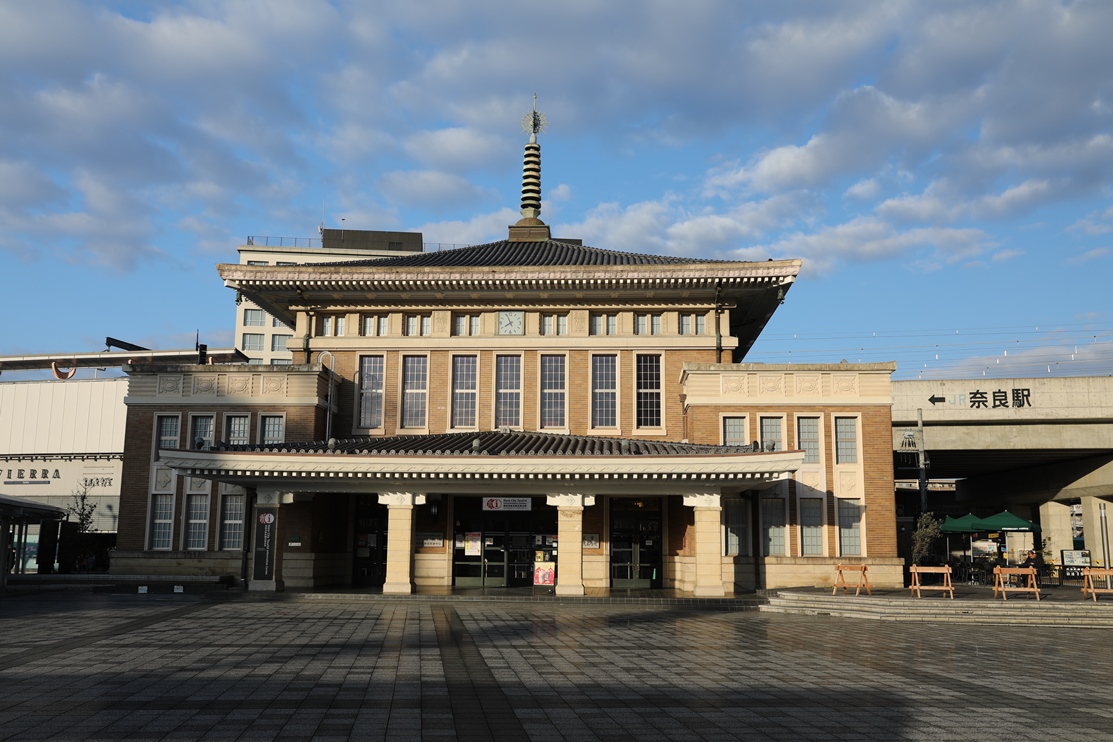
column 1006, row 521
column 969, row 523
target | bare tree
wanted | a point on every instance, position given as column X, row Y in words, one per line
column 82, row 509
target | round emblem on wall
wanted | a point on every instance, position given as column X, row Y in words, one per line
column 266, row 518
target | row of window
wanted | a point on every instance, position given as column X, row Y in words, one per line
column 735, row 433
column 258, row 318
column 195, row 536
column 775, row 529
column 552, row 384
column 257, row 341
column 466, row 325
column 202, row 430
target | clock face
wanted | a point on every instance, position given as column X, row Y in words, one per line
column 511, row 323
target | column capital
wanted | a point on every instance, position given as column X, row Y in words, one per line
column 704, row 500
column 570, row 501
column 272, row 498
column 401, row 499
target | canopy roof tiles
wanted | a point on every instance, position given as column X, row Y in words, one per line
column 475, row 459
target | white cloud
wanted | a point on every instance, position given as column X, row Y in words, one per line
column 864, row 190
column 1096, row 254
column 431, row 189
column 868, row 239
column 479, row 229
column 457, row 148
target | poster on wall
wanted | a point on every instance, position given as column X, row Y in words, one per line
column 473, row 543
column 507, row 503
column 591, row 541
column 544, row 573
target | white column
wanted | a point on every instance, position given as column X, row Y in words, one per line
column 709, row 556
column 400, row 541
column 570, row 541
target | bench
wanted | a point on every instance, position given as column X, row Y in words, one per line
column 840, row 579
column 1002, row 582
column 1088, row 576
column 917, row 586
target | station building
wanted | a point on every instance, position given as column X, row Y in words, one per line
column 526, row 412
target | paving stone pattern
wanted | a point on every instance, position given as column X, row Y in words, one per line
column 77, row 666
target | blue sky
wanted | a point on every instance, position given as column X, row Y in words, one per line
column 943, row 169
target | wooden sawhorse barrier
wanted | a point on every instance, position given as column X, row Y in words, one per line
column 840, row 579
column 916, row 587
column 1002, row 584
column 1088, row 576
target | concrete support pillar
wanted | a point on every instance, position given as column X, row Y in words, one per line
column 1057, row 533
column 400, row 541
column 708, row 547
column 266, row 566
column 1092, row 531
column 570, row 540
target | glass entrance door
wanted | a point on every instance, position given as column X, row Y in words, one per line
column 636, row 546
column 369, row 559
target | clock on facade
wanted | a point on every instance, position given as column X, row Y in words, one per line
column 512, row 323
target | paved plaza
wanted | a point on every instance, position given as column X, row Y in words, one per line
column 82, row 666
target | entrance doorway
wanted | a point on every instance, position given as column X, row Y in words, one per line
column 369, row 558
column 636, row 546
column 499, row 548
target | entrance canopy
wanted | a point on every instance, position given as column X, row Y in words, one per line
column 477, row 462
column 18, row 510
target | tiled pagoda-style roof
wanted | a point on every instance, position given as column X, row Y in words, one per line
column 493, row 443
column 506, row 253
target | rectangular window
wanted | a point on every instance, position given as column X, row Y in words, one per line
column 253, row 317
column 736, row 526
column 371, row 392
column 278, row 342
column 276, row 323
column 464, row 377
column 414, row 379
column 701, row 321
column 375, row 325
column 282, row 362
column 604, row 391
column 807, row 438
column 237, row 429
column 734, row 431
column 167, row 431
column 771, row 434
column 773, row 526
column 252, row 341
column 231, row 522
column 197, row 522
column 604, row 324
column 648, row 400
column 257, row 262
column 465, row 324
column 685, row 324
column 811, row 526
column 647, row 324
column 508, row 391
column 201, row 432
column 846, row 440
column 554, row 325
column 850, row 530
column 418, row 325
column 162, row 520
column 272, row 428
column 552, row 391
column 334, row 325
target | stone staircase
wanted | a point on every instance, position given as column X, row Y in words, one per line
column 936, row 609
